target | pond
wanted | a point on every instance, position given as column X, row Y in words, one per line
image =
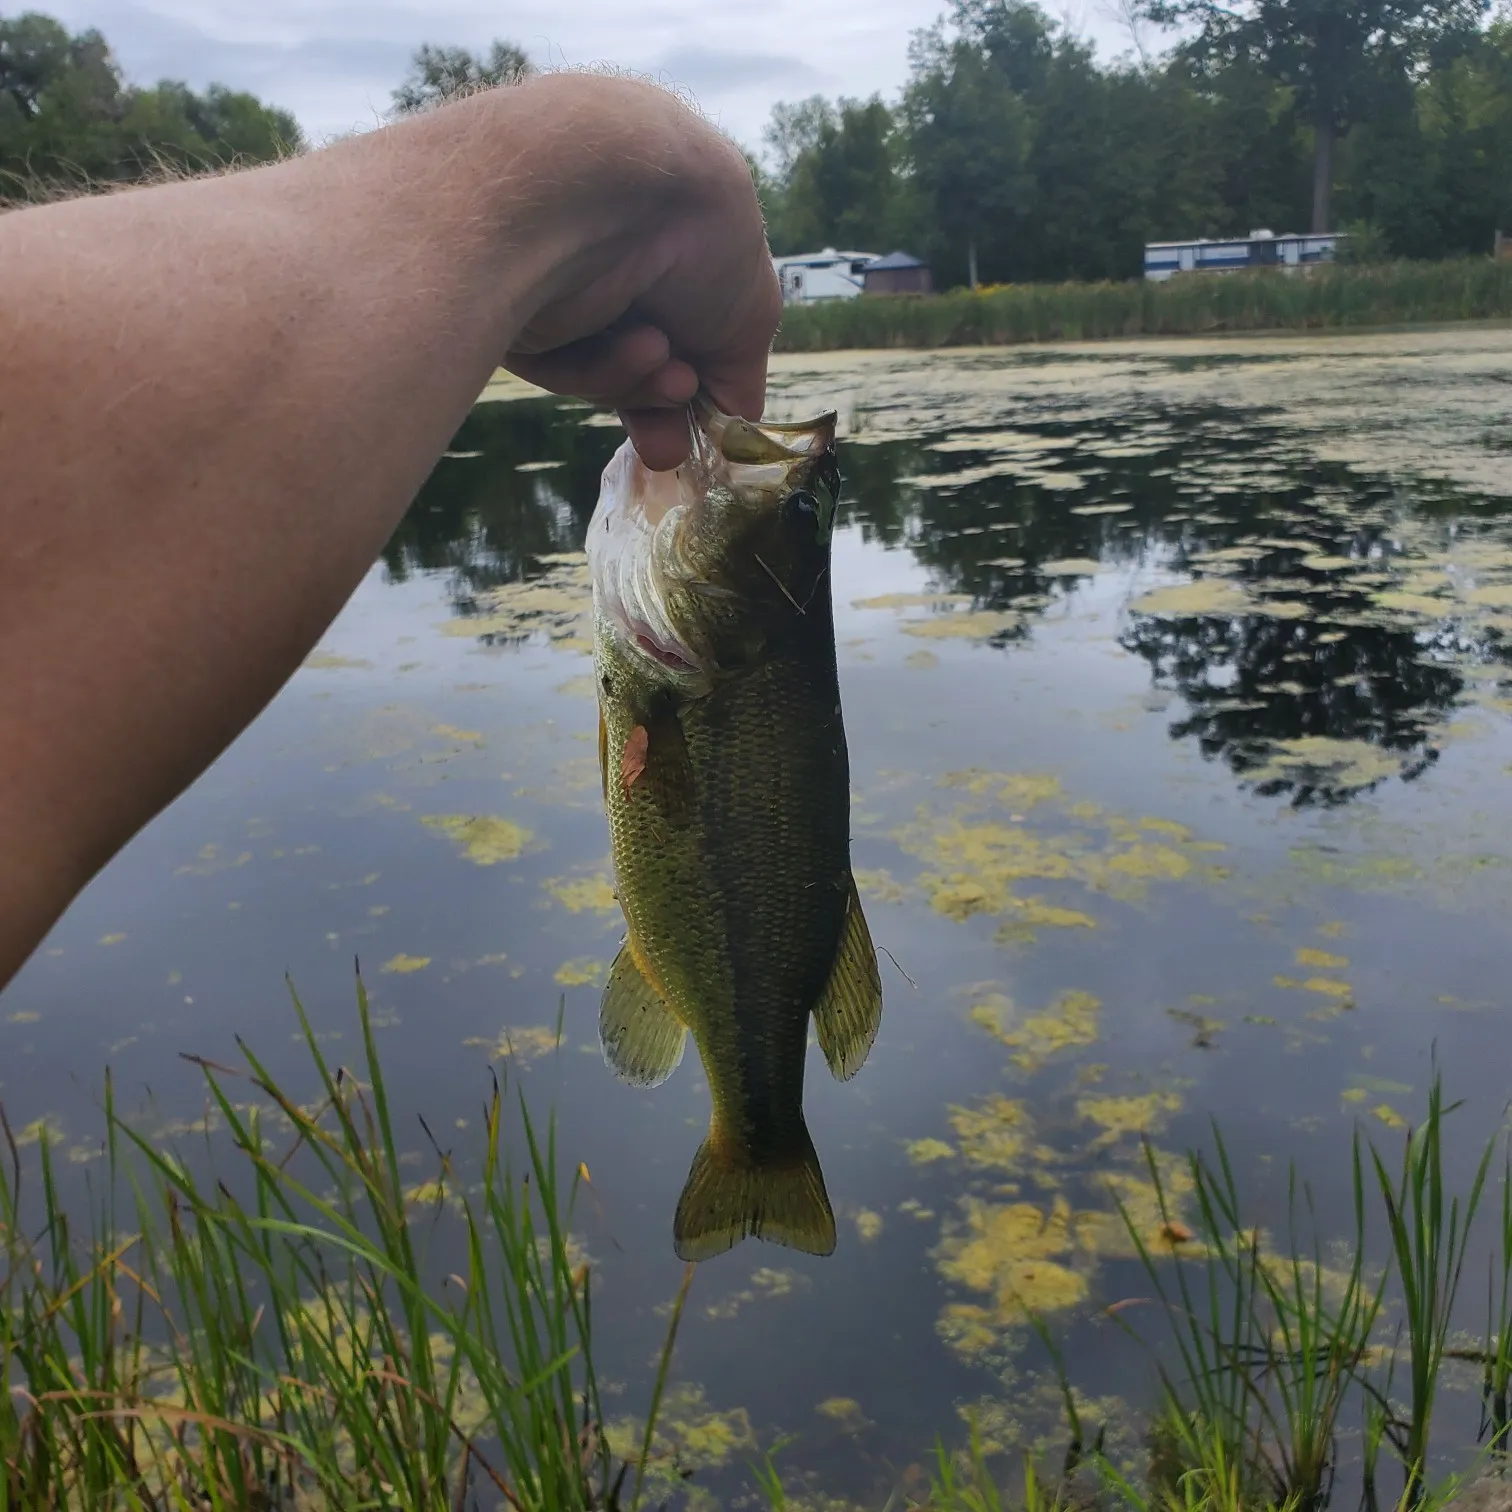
column 1176, row 679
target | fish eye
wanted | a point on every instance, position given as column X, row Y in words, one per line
column 802, row 505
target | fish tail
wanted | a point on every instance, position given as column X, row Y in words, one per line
column 728, row 1198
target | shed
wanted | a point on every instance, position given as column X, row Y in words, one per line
column 898, row 273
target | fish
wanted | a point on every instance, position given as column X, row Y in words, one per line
column 726, row 785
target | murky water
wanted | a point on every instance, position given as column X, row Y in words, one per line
column 1177, row 681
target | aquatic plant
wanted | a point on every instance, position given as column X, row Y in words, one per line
column 272, row 1336
column 1380, row 295
column 1497, row 1379
column 1272, row 1344
column 1430, row 1232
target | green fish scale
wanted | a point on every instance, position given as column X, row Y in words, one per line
column 738, row 907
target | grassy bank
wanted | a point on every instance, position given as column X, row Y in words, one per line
column 269, row 1330
column 1333, row 298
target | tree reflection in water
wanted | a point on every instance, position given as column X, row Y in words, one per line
column 1173, row 490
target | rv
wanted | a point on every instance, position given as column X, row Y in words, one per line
column 1260, row 249
column 830, row 274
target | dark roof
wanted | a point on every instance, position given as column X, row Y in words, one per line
column 893, row 260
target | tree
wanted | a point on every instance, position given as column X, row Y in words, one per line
column 69, row 120
column 437, row 74
column 969, row 138
column 1334, row 55
column 843, row 183
column 794, row 130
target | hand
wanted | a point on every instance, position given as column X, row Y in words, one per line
column 669, row 284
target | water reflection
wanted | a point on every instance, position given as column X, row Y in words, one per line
column 1318, row 637
column 518, row 483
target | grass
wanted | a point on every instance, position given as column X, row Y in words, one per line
column 268, row 1337
column 1272, row 1346
column 1331, row 298
column 277, row 1334
column 1429, row 1231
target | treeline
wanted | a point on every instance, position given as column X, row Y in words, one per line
column 68, row 118
column 1012, row 155
column 1012, row 146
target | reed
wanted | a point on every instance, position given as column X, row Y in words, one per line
column 275, row 1336
column 1332, row 298
column 1429, row 1230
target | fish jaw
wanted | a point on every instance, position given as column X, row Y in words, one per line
column 632, row 547
column 659, row 543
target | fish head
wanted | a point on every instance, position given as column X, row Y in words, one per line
column 714, row 566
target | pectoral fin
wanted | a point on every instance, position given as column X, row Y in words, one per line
column 849, row 1011
column 641, row 1038
column 603, row 753
column 655, row 766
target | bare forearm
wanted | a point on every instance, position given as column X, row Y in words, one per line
column 216, row 399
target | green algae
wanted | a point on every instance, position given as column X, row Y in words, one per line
column 974, row 625
column 1016, row 1254
column 878, row 886
column 1309, row 956
column 992, row 1134
column 845, row 1413
column 520, row 1043
column 767, row 1283
column 1321, row 761
column 582, row 971
column 593, row 894
column 1071, row 1021
column 690, row 1435
column 927, row 1151
column 486, row 839
column 1135, row 1116
column 977, row 855
column 554, row 607
column 403, row 965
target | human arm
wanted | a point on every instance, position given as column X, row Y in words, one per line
column 217, row 397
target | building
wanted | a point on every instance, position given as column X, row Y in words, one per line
column 897, row 273
column 1260, row 249
column 811, row 276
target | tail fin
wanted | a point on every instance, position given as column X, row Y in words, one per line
column 727, row 1199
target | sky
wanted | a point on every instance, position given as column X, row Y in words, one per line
column 333, row 63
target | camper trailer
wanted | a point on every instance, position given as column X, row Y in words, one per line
column 1260, row 249
column 811, row 276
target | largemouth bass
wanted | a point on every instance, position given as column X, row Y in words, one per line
column 727, row 787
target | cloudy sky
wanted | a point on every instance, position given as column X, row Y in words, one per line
column 334, row 62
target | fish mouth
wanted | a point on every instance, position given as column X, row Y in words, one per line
column 632, row 538
column 724, row 442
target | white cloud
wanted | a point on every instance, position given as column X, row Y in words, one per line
column 334, row 62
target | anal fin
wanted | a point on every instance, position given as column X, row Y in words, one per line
column 641, row 1037
column 849, row 1010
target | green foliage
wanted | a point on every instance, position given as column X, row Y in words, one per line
column 437, row 74
column 1013, row 139
column 68, row 120
column 1389, row 294
column 1340, row 60
column 840, row 178
column 274, row 1334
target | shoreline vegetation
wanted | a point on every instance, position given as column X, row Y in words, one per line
column 1383, row 295
column 223, row 1333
